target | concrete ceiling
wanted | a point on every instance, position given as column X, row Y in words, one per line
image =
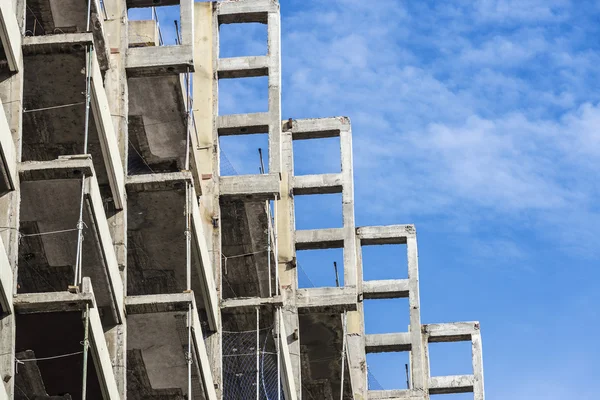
column 156, row 358
column 157, row 124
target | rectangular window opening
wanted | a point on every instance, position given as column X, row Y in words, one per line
column 243, row 95
column 382, row 262
column 318, row 211
column 386, row 315
column 316, row 268
column 387, row 371
column 452, row 358
column 317, row 156
column 246, row 39
column 240, row 155
column 154, row 26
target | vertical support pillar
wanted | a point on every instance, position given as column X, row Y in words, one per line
column 288, row 273
column 477, row 356
column 115, row 81
column 274, row 54
column 419, row 375
column 204, row 143
column 352, row 269
column 11, row 95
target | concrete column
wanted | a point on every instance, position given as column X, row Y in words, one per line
column 477, row 356
column 357, row 360
column 118, row 99
column 11, row 95
column 288, row 273
column 274, row 54
column 419, row 375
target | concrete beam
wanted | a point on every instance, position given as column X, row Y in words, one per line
column 10, row 34
column 58, row 43
column 242, row 124
column 33, row 303
column 107, row 136
column 328, row 299
column 398, row 394
column 451, row 332
column 101, row 356
column 250, row 187
column 386, row 289
column 151, row 3
column 95, row 207
column 6, row 282
column 317, row 184
column 313, row 239
column 205, row 267
column 243, row 67
column 289, row 386
column 8, row 156
column 451, row 384
column 246, row 11
column 158, row 303
column 387, row 342
column 157, row 182
column 317, row 128
column 390, row 234
column 202, row 356
column 159, row 60
column 251, row 302
column 62, row 168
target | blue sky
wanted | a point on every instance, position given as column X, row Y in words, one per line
column 476, row 120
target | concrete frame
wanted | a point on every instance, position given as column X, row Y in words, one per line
column 10, row 35
column 8, row 156
column 159, row 60
column 99, row 103
column 417, row 338
column 72, row 168
column 179, row 302
column 6, row 283
column 65, row 301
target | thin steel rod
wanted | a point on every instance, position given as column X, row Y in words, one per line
column 269, row 245
column 88, row 80
column 85, row 351
column 78, row 254
column 188, row 90
column 276, row 240
column 188, row 236
column 343, row 357
column 89, row 15
column 257, row 354
column 190, row 352
column 278, row 318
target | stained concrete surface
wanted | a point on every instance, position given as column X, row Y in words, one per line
column 46, row 262
column 156, row 356
column 156, row 252
column 48, row 335
column 244, row 230
column 157, row 124
column 321, row 356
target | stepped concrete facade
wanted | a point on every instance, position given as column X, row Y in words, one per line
column 128, row 263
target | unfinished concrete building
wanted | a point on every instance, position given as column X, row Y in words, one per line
column 131, row 268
